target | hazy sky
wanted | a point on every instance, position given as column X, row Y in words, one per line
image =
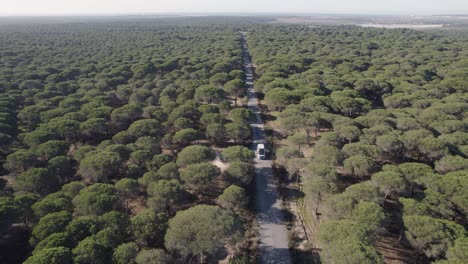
column 57, row 7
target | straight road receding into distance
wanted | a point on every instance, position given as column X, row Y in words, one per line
column 270, row 217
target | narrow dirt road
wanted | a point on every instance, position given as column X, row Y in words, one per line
column 273, row 233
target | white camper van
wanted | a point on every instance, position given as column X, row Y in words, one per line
column 261, row 151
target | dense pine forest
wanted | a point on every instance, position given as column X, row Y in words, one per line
column 129, row 141
column 109, row 133
column 373, row 122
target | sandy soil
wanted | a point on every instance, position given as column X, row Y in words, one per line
column 219, row 163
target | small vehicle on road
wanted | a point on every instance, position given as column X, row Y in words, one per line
column 261, row 152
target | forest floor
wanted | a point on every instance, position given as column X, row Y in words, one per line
column 10, row 178
column 218, row 162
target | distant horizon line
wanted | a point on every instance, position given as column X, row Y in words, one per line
column 120, row 14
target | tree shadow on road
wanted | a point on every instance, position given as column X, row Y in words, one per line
column 274, row 255
column 275, row 216
column 267, row 117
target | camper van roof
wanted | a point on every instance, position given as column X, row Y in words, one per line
column 260, row 146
